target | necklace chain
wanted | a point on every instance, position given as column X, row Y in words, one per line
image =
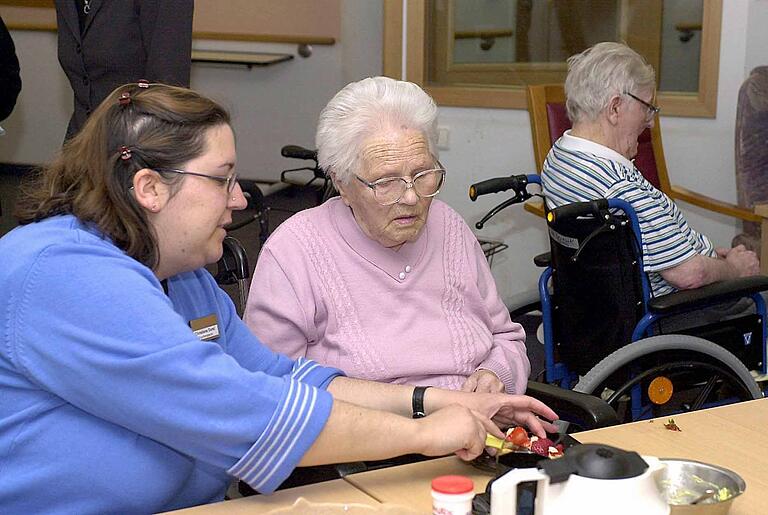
column 86, row 6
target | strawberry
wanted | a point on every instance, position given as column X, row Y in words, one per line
column 518, row 436
column 541, row 446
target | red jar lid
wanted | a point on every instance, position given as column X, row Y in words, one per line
column 452, row 485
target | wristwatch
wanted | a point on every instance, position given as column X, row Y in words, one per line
column 417, row 401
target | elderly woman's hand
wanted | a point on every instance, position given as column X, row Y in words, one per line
column 483, row 381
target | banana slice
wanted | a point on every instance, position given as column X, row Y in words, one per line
column 497, row 443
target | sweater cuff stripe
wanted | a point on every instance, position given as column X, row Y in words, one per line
column 300, row 418
column 304, row 368
column 259, row 462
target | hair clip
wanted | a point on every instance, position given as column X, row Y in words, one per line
column 143, row 83
column 125, row 98
column 125, row 153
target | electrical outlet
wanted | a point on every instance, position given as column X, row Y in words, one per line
column 443, row 138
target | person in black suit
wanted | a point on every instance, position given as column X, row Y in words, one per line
column 104, row 44
column 10, row 79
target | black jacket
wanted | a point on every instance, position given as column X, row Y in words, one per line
column 122, row 41
column 10, row 78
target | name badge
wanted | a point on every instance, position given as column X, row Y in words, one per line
column 206, row 328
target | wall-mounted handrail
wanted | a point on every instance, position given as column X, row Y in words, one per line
column 249, row 59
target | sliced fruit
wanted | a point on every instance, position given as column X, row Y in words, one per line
column 518, row 436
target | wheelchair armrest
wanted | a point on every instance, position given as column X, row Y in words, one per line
column 711, row 293
column 543, row 260
column 586, row 411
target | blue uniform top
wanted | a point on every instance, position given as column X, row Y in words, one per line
column 109, row 402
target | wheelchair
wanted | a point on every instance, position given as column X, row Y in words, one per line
column 325, row 189
column 604, row 333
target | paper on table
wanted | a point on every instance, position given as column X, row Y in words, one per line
column 304, row 506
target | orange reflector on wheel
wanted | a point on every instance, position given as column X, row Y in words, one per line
column 660, row 390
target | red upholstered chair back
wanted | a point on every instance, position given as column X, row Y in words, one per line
column 645, row 161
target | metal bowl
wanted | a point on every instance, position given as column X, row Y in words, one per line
column 683, row 481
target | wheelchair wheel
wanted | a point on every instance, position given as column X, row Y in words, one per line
column 668, row 374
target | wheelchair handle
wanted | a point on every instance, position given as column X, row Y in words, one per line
column 576, row 209
column 298, row 152
column 595, row 207
column 498, row 184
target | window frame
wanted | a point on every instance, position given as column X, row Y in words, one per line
column 700, row 104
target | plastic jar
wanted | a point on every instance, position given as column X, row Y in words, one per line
column 452, row 495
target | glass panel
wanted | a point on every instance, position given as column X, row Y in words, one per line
column 680, row 45
column 528, row 30
column 484, row 35
column 519, row 42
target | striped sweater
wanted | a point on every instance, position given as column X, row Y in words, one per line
column 577, row 170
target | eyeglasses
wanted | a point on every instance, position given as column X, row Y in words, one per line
column 390, row 190
column 230, row 180
column 652, row 109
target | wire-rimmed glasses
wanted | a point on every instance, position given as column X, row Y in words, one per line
column 653, row 110
column 229, row 180
column 390, row 190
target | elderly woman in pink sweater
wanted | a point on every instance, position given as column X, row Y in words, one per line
column 385, row 282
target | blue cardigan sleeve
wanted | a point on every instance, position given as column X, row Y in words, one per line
column 95, row 329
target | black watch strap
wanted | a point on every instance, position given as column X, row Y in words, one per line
column 417, row 401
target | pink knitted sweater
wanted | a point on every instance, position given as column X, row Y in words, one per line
column 427, row 314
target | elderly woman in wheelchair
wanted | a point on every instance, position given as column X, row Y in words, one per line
column 625, row 265
column 127, row 381
column 385, row 282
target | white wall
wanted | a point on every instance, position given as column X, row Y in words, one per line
column 489, row 142
column 38, row 123
column 277, row 105
column 756, row 36
column 271, row 106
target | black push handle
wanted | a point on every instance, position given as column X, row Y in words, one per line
column 497, row 185
column 298, row 152
column 577, row 209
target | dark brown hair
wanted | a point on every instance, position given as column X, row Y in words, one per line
column 161, row 126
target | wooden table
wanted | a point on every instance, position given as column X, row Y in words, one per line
column 331, row 491
column 410, row 485
column 734, row 436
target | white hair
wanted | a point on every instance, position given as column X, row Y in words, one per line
column 364, row 108
column 600, row 72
